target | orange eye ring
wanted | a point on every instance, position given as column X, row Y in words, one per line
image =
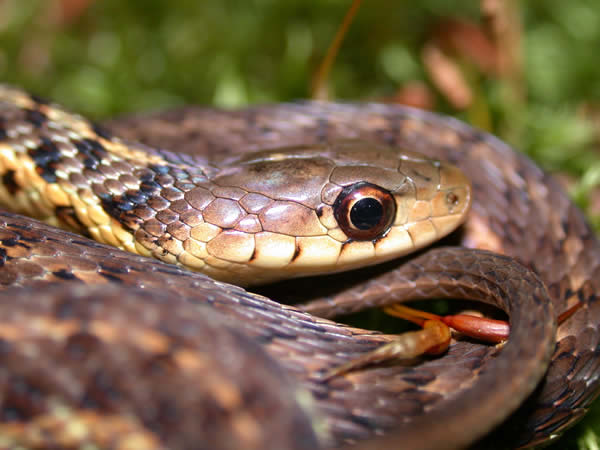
column 364, row 211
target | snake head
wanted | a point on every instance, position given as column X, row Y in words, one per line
column 306, row 211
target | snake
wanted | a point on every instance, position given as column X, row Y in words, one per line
column 118, row 344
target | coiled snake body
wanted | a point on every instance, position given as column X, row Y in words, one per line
column 203, row 363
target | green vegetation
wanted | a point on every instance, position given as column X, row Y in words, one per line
column 104, row 58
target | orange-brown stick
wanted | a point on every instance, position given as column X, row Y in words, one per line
column 484, row 329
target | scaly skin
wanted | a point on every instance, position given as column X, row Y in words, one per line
column 362, row 403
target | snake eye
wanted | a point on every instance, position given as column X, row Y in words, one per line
column 364, row 211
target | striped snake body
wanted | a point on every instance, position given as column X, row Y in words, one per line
column 128, row 364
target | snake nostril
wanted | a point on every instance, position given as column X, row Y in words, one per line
column 452, row 199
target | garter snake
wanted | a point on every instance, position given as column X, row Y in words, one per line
column 61, row 168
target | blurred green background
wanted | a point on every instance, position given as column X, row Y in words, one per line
column 526, row 71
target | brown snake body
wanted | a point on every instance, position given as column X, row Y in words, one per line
column 129, row 367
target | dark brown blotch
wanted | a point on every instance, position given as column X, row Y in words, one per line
column 109, row 276
column 35, row 117
column 21, row 400
column 149, row 187
column 91, row 152
column 82, row 345
column 10, row 242
column 101, row 131
column 8, row 179
column 160, row 365
column 29, row 235
column 46, row 156
column 67, row 216
column 65, row 274
column 3, row 257
column 158, row 169
column 116, row 205
column 39, row 100
column 103, row 390
column 135, row 196
column 114, row 267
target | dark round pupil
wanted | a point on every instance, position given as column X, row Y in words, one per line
column 366, row 213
